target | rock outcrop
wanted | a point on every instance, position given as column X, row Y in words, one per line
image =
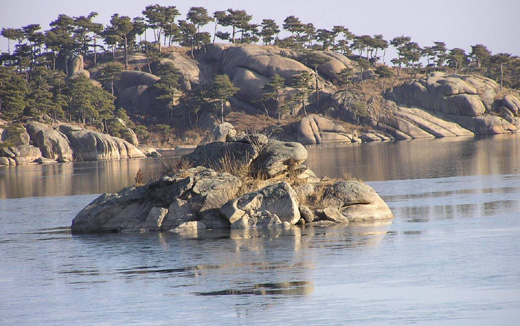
column 64, row 143
column 449, row 105
column 315, row 129
column 92, row 145
column 205, row 198
column 52, row 143
column 132, row 90
column 76, row 67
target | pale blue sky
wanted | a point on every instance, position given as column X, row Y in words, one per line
column 459, row 23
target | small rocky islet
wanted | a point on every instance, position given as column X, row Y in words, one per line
column 243, row 182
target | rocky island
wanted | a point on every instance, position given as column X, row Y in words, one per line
column 244, row 181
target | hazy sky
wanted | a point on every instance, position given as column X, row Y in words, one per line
column 459, row 23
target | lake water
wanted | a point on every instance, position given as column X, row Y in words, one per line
column 451, row 256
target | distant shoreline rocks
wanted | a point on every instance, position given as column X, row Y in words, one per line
column 43, row 144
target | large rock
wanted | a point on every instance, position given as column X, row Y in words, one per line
column 377, row 210
column 158, row 206
column 19, row 155
column 278, row 157
column 250, row 67
column 348, row 192
column 224, row 130
column 91, row 145
column 128, row 134
column 512, row 103
column 76, row 67
column 15, row 136
column 129, row 78
column 452, row 94
column 223, row 155
column 332, row 68
column 356, row 201
column 52, row 143
column 280, row 200
column 315, row 129
column 449, row 105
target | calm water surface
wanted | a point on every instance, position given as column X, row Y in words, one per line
column 451, row 256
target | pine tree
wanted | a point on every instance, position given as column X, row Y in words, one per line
column 13, row 90
column 273, row 91
column 220, row 91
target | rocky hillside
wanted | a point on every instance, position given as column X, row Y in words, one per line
column 438, row 105
column 449, row 105
column 344, row 109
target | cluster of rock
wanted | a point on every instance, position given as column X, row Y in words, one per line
column 443, row 105
column 246, row 181
column 317, row 129
column 249, row 67
column 41, row 143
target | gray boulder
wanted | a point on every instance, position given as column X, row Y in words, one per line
column 280, row 200
column 77, row 67
column 159, row 206
column 512, row 103
column 89, row 145
column 128, row 134
column 129, row 78
column 224, row 130
column 19, row 155
column 257, row 219
column 332, row 68
column 452, row 94
column 278, row 157
column 223, row 155
column 15, row 137
column 348, row 192
column 315, row 129
column 52, row 143
column 332, row 214
column 377, row 210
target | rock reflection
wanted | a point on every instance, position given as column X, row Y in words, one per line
column 294, row 288
column 445, row 157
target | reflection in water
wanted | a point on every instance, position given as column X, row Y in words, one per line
column 74, row 179
column 417, row 159
column 282, row 288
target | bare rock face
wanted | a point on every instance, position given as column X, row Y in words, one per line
column 148, row 208
column 280, row 200
column 20, row 137
column 356, row 201
column 224, row 130
column 315, row 129
column 91, row 145
column 77, row 67
column 335, row 65
column 449, row 105
column 278, row 157
column 452, row 94
column 19, row 155
column 250, row 67
column 129, row 78
column 220, row 154
column 52, row 143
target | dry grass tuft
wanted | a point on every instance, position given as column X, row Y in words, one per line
column 139, row 178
